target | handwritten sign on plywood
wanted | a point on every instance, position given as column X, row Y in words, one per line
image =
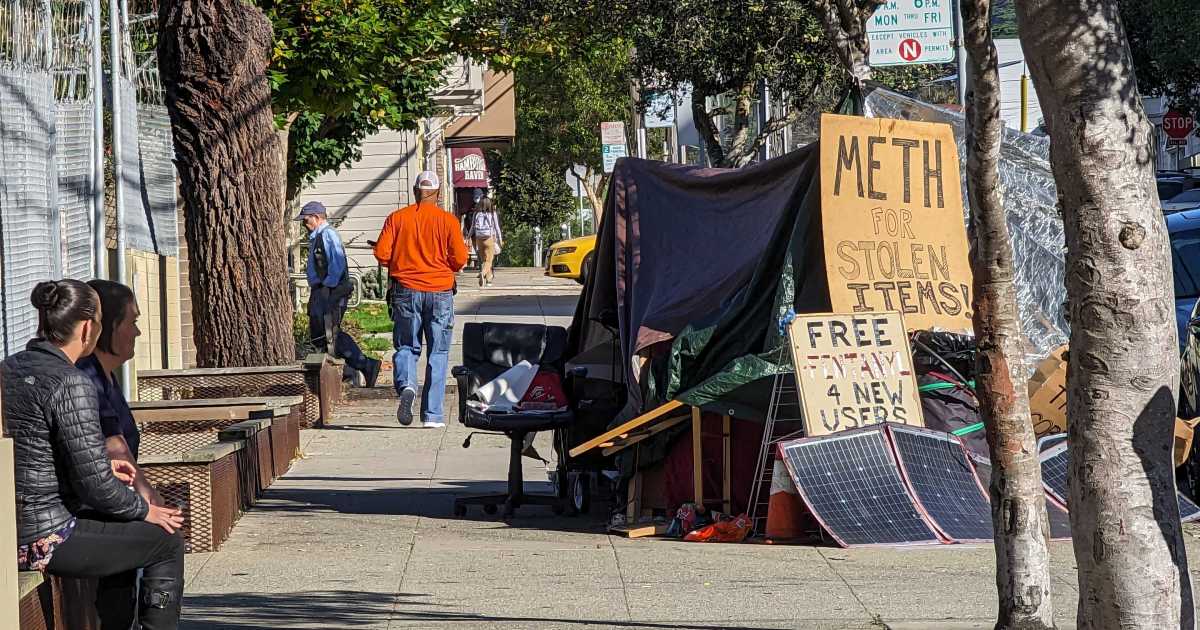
column 892, row 217
column 854, row 370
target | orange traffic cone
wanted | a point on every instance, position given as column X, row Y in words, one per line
column 786, row 514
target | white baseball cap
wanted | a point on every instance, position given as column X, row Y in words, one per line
column 428, row 180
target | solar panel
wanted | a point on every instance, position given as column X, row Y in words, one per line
column 1054, row 472
column 1188, row 510
column 944, row 483
column 1049, row 441
column 852, row 485
column 1057, row 460
column 1060, row 521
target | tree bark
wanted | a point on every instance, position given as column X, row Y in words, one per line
column 213, row 56
column 845, row 24
column 1124, row 363
column 592, row 194
column 1018, row 500
column 707, row 128
column 741, row 149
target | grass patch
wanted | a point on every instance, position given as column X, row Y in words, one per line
column 376, row 344
column 369, row 318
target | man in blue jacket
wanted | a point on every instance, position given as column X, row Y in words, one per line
column 329, row 291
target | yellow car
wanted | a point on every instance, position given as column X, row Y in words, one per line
column 572, row 258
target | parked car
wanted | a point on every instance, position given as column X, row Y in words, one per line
column 1184, row 229
column 572, row 258
column 1187, row 200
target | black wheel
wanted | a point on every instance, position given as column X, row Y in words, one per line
column 460, row 511
column 585, row 270
column 581, row 493
column 490, row 509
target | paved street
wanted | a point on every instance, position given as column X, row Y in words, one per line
column 360, row 535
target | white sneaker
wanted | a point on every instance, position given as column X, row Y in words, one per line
column 433, row 425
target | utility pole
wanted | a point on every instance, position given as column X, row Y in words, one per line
column 960, row 54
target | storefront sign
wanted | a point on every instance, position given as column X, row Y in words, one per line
column 854, row 370
column 892, row 217
column 470, row 169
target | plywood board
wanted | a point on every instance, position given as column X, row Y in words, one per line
column 892, row 220
column 854, row 370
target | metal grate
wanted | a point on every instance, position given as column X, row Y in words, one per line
column 209, row 494
column 195, row 384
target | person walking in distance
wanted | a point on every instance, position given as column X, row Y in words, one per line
column 485, row 234
column 422, row 247
column 329, row 292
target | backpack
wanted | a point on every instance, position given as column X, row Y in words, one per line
column 483, row 224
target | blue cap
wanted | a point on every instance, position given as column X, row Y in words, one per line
column 309, row 209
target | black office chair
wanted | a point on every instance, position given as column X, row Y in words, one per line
column 489, row 349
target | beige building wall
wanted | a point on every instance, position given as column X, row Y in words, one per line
column 156, row 281
column 361, row 196
column 9, row 611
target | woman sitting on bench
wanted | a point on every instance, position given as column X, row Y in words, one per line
column 61, row 466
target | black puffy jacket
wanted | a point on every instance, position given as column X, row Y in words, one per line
column 51, row 413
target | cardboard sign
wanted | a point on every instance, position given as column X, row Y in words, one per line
column 854, row 370
column 1048, row 394
column 892, row 217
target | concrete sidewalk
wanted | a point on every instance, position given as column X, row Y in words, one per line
column 360, row 534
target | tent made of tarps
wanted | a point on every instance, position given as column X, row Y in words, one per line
column 694, row 268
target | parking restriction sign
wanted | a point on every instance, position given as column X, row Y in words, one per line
column 906, row 32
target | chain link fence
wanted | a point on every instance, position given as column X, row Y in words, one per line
column 48, row 163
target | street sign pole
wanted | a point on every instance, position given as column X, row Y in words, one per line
column 961, row 54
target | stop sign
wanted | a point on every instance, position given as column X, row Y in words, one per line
column 1177, row 125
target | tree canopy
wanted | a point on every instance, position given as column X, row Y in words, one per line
column 1162, row 37
column 343, row 69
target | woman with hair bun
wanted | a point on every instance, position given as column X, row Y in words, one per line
column 50, row 410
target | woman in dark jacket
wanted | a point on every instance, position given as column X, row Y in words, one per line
column 51, row 414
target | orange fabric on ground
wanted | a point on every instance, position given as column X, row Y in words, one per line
column 422, row 247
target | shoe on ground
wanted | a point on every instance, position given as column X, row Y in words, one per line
column 404, row 413
column 371, row 375
column 433, row 425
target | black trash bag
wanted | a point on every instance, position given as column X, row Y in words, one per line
column 950, row 407
column 944, row 352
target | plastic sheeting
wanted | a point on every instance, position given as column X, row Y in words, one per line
column 27, row 189
column 1031, row 201
column 73, row 153
column 148, row 176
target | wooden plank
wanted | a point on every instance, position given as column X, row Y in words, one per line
column 273, row 401
column 624, row 429
column 727, row 492
column 697, row 472
column 639, row 531
column 634, row 498
column 239, row 412
column 234, row 371
column 617, row 446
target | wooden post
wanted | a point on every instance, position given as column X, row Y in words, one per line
column 697, row 474
column 727, row 494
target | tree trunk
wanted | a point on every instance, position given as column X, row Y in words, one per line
column 707, row 128
column 1124, row 362
column 1018, row 500
column 741, row 149
column 213, row 57
column 845, row 24
column 593, row 196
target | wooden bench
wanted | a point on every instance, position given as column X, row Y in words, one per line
column 318, row 379
column 54, row 603
column 255, row 469
column 175, row 426
column 206, row 482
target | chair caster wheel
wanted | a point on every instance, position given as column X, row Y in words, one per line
column 460, row 511
column 490, row 509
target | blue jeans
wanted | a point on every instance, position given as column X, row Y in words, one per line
column 418, row 315
column 320, row 304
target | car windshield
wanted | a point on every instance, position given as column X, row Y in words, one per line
column 1185, row 262
column 1191, row 196
column 1169, row 189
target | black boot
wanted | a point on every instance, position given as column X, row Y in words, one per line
column 161, row 591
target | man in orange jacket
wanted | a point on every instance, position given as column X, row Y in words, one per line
column 422, row 247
